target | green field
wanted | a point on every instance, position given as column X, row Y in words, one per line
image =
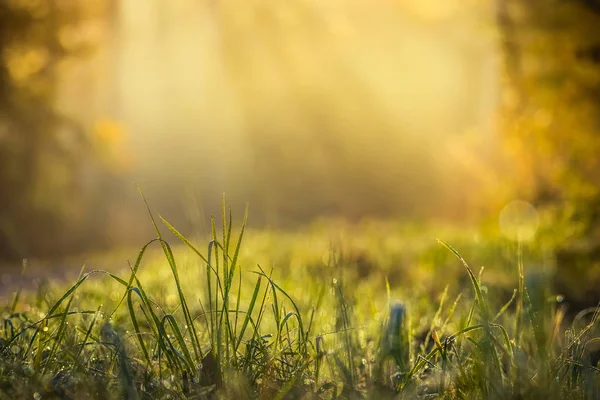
column 337, row 310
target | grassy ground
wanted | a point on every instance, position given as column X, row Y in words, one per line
column 374, row 310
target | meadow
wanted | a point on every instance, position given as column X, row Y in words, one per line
column 334, row 311
column 434, row 116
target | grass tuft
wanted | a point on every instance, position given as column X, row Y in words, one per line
column 209, row 327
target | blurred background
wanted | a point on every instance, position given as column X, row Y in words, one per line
column 403, row 109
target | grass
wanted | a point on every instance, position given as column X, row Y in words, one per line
column 358, row 317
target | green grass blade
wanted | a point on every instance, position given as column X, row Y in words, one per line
column 479, row 295
column 88, row 332
column 505, row 306
column 15, row 301
column 248, row 313
column 136, row 327
column 175, row 327
column 238, row 245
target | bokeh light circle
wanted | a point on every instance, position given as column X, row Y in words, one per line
column 519, row 220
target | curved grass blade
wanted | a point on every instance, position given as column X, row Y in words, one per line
column 479, row 295
column 175, row 327
column 248, row 313
column 136, row 327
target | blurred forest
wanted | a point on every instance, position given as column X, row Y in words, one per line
column 305, row 111
column 44, row 154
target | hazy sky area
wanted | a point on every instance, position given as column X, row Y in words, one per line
column 302, row 108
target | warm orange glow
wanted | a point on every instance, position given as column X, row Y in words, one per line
column 265, row 92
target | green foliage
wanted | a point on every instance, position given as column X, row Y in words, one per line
column 234, row 333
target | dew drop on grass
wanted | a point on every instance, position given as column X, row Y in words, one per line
column 45, row 329
column 560, row 298
column 37, row 396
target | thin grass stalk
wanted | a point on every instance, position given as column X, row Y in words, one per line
column 485, row 318
column 88, row 332
column 170, row 258
column 225, row 250
column 136, row 327
column 218, row 318
column 58, row 336
column 237, row 313
column 436, row 316
column 520, row 294
column 342, row 308
column 15, row 301
column 248, row 313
